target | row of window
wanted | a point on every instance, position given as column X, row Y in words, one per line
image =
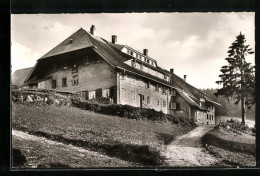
column 210, row 117
column 140, row 57
column 148, row 85
column 86, row 61
column 125, row 95
column 146, row 99
column 64, row 82
column 149, row 70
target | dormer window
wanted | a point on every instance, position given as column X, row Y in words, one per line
column 133, row 63
column 165, row 76
column 148, row 61
column 131, row 53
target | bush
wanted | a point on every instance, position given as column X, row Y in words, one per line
column 131, row 112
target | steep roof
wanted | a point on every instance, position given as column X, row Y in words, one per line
column 190, row 101
column 76, row 41
column 19, row 76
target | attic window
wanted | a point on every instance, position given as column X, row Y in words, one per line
column 71, row 40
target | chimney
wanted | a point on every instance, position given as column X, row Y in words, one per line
column 145, row 52
column 93, row 30
column 184, row 77
column 114, row 39
column 172, row 70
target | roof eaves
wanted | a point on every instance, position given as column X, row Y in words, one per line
column 148, row 77
column 32, row 70
column 99, row 53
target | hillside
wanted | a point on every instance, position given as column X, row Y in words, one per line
column 134, row 142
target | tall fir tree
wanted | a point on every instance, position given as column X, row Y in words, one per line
column 238, row 78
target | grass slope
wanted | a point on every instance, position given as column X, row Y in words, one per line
column 131, row 140
column 235, row 149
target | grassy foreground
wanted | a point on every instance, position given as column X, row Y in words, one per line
column 129, row 140
column 235, row 149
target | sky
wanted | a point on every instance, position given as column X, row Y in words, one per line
column 193, row 44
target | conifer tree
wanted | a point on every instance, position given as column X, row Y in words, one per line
column 237, row 78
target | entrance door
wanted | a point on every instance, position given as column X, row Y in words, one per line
column 141, row 100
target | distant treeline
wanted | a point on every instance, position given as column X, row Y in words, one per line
column 229, row 108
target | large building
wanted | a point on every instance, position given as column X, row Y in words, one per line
column 94, row 67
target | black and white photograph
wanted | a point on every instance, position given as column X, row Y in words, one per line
column 133, row 90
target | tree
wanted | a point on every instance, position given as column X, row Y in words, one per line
column 238, row 78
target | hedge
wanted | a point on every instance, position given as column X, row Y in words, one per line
column 131, row 112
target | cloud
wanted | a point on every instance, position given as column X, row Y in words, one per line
column 22, row 57
column 192, row 43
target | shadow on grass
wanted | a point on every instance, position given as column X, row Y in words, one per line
column 18, row 158
column 53, row 165
column 166, row 138
column 133, row 153
column 232, row 146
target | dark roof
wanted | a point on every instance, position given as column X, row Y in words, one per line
column 76, row 41
column 19, row 76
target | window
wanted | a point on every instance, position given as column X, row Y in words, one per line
column 105, row 93
column 179, row 106
column 165, row 77
column 86, row 60
column 137, row 55
column 54, row 68
column 164, row 90
column 173, row 92
column 131, row 53
column 148, row 100
column 148, row 61
column 92, row 95
column 75, row 80
column 123, row 76
column 147, row 85
column 132, row 96
column 124, row 93
column 160, row 88
column 172, row 105
column 128, row 51
column 133, row 63
column 157, row 102
column 141, row 66
column 64, row 82
column 54, row 85
column 164, row 103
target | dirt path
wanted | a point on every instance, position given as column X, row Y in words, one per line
column 187, row 150
column 39, row 150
